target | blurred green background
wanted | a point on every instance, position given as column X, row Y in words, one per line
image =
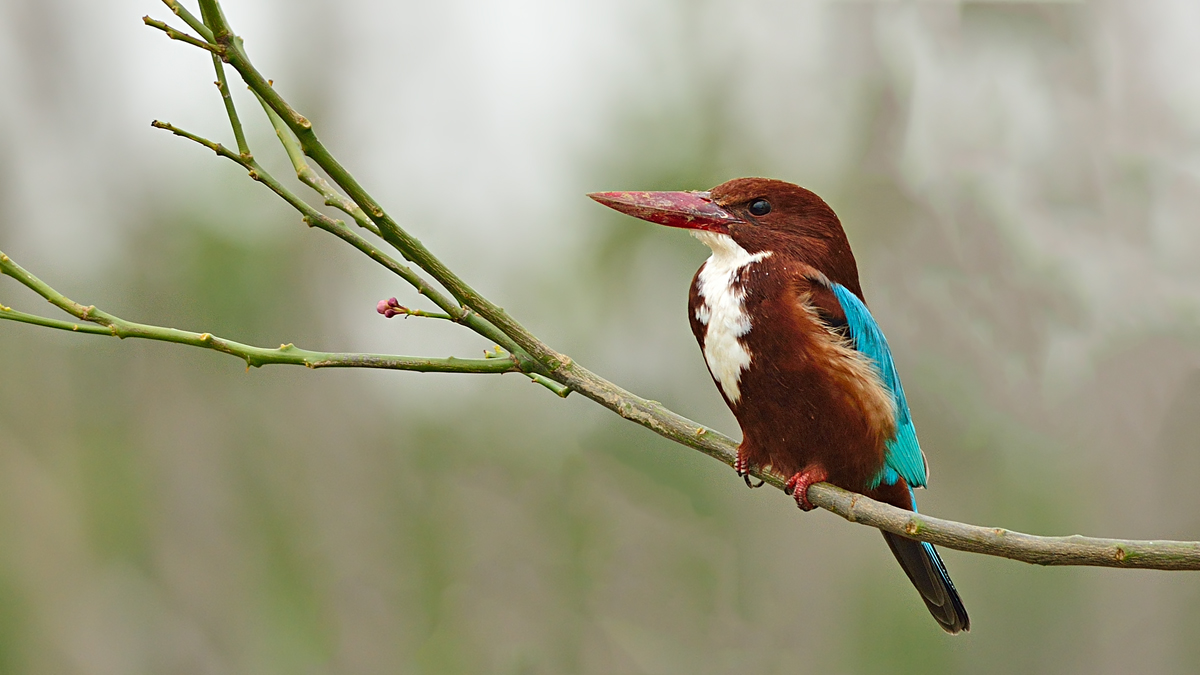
column 1020, row 181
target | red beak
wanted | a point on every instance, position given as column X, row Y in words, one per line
column 689, row 210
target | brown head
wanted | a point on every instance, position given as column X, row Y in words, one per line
column 760, row 214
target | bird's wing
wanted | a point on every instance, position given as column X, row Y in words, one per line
column 904, row 456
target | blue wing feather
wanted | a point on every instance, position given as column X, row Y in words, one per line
column 903, row 456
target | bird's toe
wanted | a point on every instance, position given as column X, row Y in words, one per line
column 742, row 466
column 797, row 486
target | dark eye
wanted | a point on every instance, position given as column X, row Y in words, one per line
column 760, row 207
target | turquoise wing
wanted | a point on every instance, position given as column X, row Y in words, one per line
column 904, row 458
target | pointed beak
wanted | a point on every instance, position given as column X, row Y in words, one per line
column 689, row 210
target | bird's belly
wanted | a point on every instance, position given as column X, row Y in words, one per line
column 813, row 400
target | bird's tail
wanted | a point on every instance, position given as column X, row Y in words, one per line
column 925, row 569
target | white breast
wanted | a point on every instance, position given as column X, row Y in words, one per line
column 721, row 311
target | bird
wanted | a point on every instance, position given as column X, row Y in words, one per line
column 780, row 317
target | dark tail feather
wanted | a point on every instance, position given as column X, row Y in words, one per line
column 926, row 571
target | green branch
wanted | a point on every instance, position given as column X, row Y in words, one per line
column 996, row 541
column 10, row 314
column 392, row 307
column 553, row 365
column 182, row 37
column 191, row 20
column 408, row 246
column 315, row 218
column 309, row 177
column 109, row 324
column 218, row 66
column 230, row 110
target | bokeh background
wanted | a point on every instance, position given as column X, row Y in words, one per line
column 1020, row 181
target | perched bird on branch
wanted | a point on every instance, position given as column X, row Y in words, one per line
column 797, row 356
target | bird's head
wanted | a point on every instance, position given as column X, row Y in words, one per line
column 759, row 214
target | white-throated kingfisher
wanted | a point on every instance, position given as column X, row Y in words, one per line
column 797, row 356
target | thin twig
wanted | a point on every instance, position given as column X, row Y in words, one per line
column 408, row 246
column 253, row 356
column 190, row 19
column 391, row 307
column 551, row 364
column 230, row 109
column 11, row 314
column 182, row 37
column 309, row 177
column 336, row 227
column 1072, row 550
column 408, row 311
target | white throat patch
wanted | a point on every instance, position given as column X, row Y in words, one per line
column 721, row 311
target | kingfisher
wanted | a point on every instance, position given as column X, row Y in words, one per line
column 780, row 318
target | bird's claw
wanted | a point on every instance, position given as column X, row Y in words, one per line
column 797, row 486
column 742, row 466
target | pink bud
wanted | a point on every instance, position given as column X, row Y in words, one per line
column 390, row 307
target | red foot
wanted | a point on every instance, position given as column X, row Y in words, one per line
column 742, row 466
column 797, row 486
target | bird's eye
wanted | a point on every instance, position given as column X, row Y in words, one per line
column 760, row 207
